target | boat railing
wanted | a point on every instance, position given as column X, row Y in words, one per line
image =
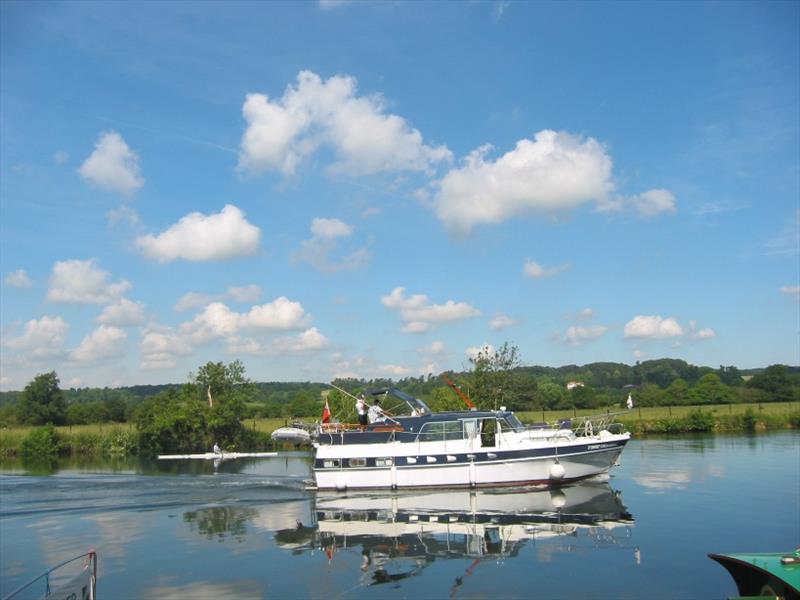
column 82, row 586
column 590, row 425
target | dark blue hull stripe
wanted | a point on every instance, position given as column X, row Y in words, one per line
column 480, row 457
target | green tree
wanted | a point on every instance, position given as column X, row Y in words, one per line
column 678, row 392
column 776, row 382
column 443, row 399
column 42, row 401
column 491, row 375
column 711, row 390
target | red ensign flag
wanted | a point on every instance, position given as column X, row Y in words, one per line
column 326, row 413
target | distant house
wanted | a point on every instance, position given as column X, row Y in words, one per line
column 571, row 385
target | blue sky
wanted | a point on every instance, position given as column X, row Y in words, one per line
column 364, row 189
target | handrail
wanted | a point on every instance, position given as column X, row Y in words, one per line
column 92, row 560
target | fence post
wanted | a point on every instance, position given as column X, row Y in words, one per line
column 670, row 410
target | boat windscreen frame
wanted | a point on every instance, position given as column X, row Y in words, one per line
column 415, row 404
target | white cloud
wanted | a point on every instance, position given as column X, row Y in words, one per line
column 793, row 291
column 652, row 327
column 318, row 250
column 420, row 315
column 123, row 313
column 82, row 282
column 243, row 294
column 123, row 214
column 218, row 321
column 501, row 321
column 197, row 237
column 536, row 271
column 102, row 343
column 331, row 4
column 472, row 352
column 159, row 348
column 553, row 172
column 435, row 347
column 18, row 279
column 42, row 338
column 395, row 370
column 113, row 166
column 585, row 315
column 705, row 333
column 653, row 202
column 577, row 335
column 247, row 293
column 499, row 10
column 310, row 340
column 316, row 113
column 60, row 157
column 328, row 229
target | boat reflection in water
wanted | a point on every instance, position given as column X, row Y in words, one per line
column 401, row 533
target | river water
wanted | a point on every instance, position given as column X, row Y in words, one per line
column 248, row 528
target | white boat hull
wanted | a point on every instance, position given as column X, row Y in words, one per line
column 444, row 464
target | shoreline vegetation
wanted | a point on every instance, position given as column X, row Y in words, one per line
column 120, row 440
column 219, row 405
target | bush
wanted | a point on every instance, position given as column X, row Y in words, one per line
column 42, row 443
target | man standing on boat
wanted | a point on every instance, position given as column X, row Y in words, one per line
column 217, row 449
column 376, row 413
column 361, row 410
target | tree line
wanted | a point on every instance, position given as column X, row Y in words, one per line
column 496, row 378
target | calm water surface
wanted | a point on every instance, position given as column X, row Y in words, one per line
column 249, row 529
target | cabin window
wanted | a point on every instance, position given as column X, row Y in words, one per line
column 357, row 462
column 515, row 423
column 453, row 430
column 384, row 462
column 331, row 463
column 505, row 425
column 441, row 430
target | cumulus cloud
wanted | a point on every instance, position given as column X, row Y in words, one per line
column 553, row 172
column 42, row 338
column 123, row 214
column 199, row 237
column 501, row 321
column 159, row 348
column 328, row 229
column 103, row 343
column 420, row 315
column 318, row 251
column 315, row 113
column 18, row 279
column 793, row 291
column 647, row 204
column 534, row 270
column 577, row 335
column 310, row 340
column 123, row 313
column 113, row 166
column 472, row 352
column 652, row 327
column 435, row 347
column 585, row 314
column 83, row 282
column 653, row 202
column 697, row 333
column 218, row 321
column 243, row 294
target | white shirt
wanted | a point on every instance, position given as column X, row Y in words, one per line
column 375, row 413
column 361, row 407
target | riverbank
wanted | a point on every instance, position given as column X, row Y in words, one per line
column 121, row 439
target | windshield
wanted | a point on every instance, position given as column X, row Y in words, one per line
column 515, row 423
column 400, row 403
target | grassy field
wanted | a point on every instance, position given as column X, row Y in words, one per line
column 116, row 439
column 653, row 413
